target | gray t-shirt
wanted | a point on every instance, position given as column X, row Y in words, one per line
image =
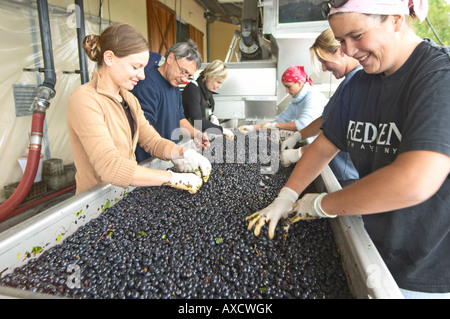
column 380, row 117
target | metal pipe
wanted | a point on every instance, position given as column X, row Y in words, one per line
column 46, row 41
column 81, row 32
column 45, row 93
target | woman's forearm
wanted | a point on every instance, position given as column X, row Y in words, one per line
column 288, row 126
column 174, row 152
column 314, row 160
column 411, row 179
column 312, row 129
column 144, row 176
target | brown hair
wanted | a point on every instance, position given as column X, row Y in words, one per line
column 120, row 38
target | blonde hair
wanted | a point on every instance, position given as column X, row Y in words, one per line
column 120, row 38
column 325, row 43
column 216, row 70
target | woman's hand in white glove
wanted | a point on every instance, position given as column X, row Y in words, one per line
column 182, row 165
column 214, row 120
column 291, row 141
column 229, row 135
column 290, row 156
column 199, row 164
column 307, row 207
column 269, row 126
column 310, row 207
column 246, row 129
column 185, row 181
column 280, row 208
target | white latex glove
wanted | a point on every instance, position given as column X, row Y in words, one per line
column 280, row 208
column 229, row 135
column 201, row 139
column 186, row 181
column 269, row 126
column 182, row 165
column 307, row 207
column 291, row 141
column 246, row 128
column 290, row 156
column 200, row 165
column 310, row 206
column 213, row 119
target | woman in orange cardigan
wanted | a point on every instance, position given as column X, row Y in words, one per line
column 105, row 121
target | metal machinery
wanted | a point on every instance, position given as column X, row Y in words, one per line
column 251, row 45
column 252, row 93
column 275, row 34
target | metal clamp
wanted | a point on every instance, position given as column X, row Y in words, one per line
column 42, row 99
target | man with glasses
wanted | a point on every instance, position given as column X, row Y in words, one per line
column 160, row 96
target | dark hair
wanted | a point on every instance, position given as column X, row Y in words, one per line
column 120, row 38
column 188, row 50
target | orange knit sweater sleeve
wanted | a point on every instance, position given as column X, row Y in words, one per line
column 100, row 137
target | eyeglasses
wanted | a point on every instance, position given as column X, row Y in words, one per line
column 326, row 6
column 185, row 74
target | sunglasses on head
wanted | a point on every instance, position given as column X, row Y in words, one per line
column 326, row 6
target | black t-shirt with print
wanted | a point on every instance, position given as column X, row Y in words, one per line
column 380, row 117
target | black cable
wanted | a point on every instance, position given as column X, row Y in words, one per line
column 109, row 12
column 434, row 31
column 100, row 16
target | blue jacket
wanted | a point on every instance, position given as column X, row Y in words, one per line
column 162, row 106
